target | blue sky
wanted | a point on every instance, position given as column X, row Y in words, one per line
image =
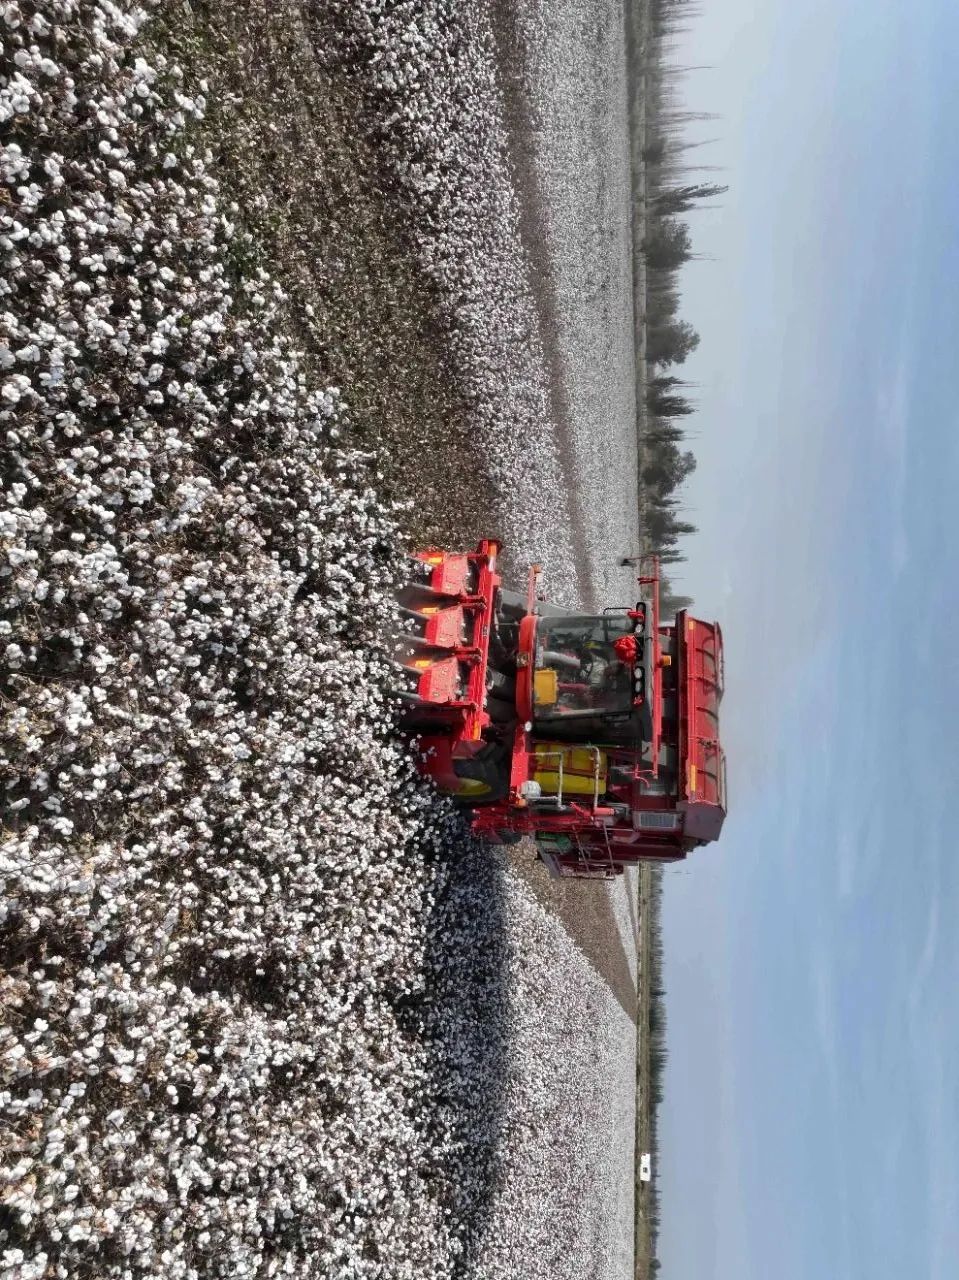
column 811, row 1120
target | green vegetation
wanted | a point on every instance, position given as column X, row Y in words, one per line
column 650, row 1063
column 666, row 188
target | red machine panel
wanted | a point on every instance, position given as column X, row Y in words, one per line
column 703, row 784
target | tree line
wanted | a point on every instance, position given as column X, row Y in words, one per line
column 655, row 1033
column 673, row 188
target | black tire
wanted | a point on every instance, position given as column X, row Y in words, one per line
column 510, row 606
column 488, row 771
column 500, row 711
column 504, row 635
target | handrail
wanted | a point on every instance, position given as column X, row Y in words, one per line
column 548, row 755
column 657, row 717
column 723, row 798
column 721, row 656
column 597, row 760
column 585, row 855
column 597, row 755
column 609, row 849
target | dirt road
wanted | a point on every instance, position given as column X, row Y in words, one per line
column 586, row 910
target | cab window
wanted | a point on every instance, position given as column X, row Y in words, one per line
column 589, row 676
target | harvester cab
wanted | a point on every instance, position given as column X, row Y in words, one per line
column 595, row 735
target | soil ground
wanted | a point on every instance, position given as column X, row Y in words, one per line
column 586, row 911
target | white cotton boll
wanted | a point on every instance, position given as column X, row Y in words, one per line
column 224, row 807
column 15, row 388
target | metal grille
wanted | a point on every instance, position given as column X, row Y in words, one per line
column 652, row 820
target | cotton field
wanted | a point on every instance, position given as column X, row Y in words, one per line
column 562, row 63
column 427, row 76
column 268, row 1011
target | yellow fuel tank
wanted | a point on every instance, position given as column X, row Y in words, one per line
column 579, row 768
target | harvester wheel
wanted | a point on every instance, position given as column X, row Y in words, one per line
column 510, row 605
column 504, row 634
column 484, row 778
column 501, row 711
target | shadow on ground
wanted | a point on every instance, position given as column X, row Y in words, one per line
column 465, row 1016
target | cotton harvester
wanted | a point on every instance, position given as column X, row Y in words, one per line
column 597, row 736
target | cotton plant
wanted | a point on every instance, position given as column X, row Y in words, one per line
column 235, row 935
column 577, row 159
column 434, row 109
column 268, row 1010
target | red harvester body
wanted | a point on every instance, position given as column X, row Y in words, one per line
column 596, row 735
